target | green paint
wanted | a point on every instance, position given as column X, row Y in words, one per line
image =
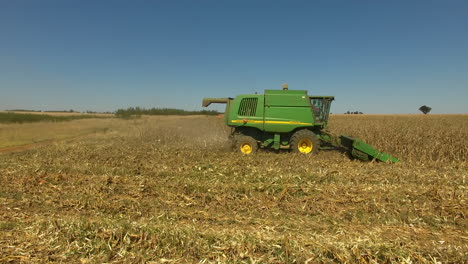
column 276, row 141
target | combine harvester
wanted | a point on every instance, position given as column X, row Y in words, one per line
column 288, row 119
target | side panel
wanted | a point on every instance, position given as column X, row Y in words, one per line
column 285, row 119
column 276, row 111
column 287, row 111
column 287, row 98
column 247, row 110
column 228, row 110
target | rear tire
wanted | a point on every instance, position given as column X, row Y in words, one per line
column 304, row 141
column 245, row 144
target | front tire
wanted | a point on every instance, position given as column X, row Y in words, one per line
column 304, row 141
column 246, row 145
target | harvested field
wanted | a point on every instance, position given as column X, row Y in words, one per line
column 13, row 135
column 167, row 190
column 58, row 113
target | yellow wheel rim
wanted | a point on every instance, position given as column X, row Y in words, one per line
column 246, row 148
column 305, row 146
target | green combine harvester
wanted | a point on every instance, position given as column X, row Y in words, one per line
column 288, row 119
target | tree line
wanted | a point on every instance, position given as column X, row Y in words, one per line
column 138, row 111
column 353, row 113
column 19, row 118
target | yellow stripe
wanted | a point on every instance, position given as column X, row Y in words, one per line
column 271, row 122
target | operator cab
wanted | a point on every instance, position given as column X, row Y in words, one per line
column 321, row 107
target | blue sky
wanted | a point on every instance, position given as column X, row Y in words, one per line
column 379, row 57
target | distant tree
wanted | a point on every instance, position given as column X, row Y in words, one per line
column 353, row 113
column 425, row 109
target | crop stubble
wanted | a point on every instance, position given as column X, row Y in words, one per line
column 165, row 189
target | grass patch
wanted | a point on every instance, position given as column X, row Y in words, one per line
column 7, row 225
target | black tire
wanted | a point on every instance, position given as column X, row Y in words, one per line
column 304, row 141
column 245, row 144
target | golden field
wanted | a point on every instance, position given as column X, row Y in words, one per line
column 12, row 135
column 59, row 113
column 425, row 138
column 168, row 190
